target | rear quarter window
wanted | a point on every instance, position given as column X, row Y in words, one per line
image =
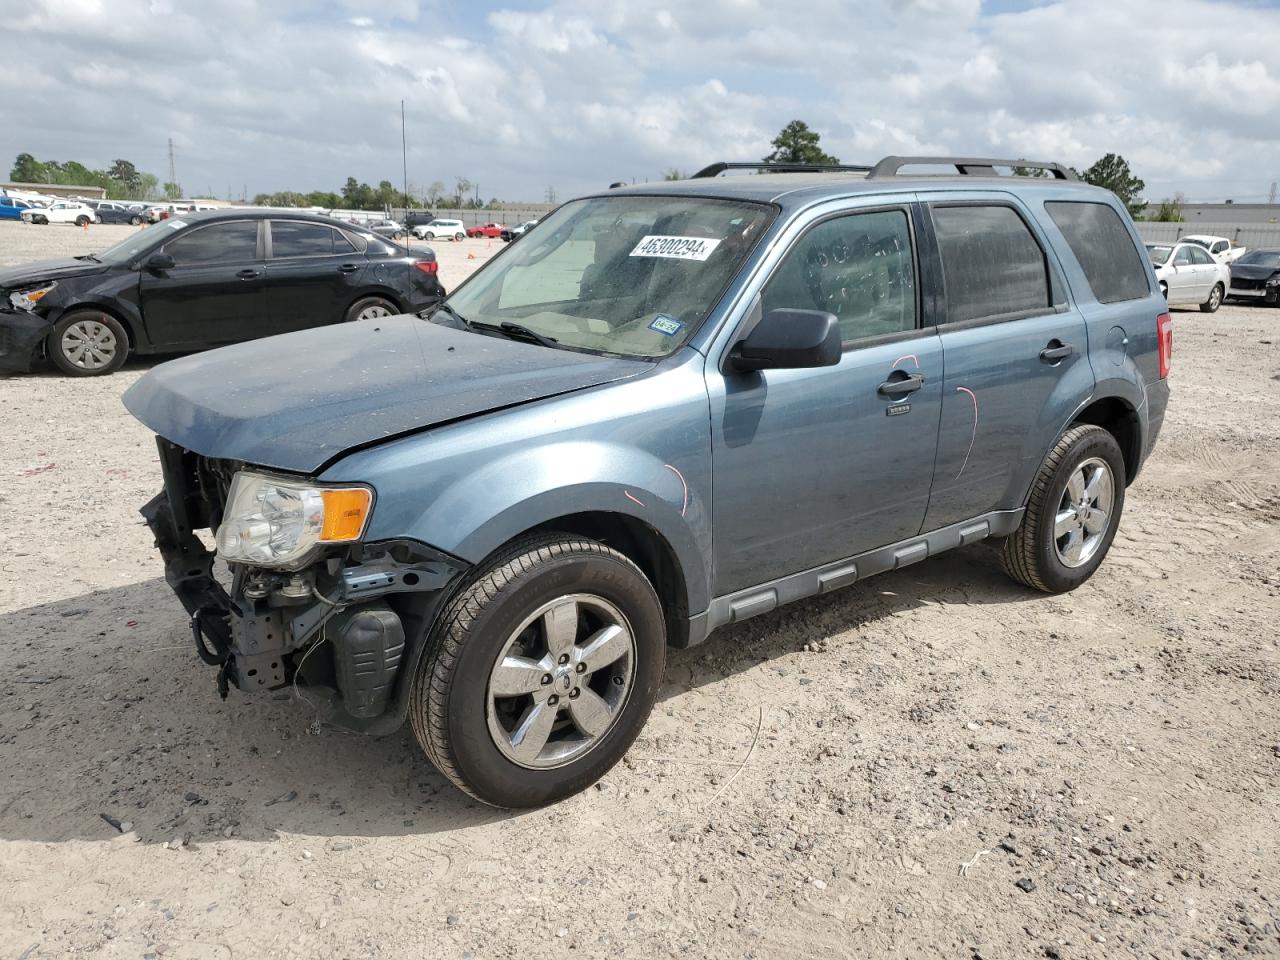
column 1105, row 250
column 992, row 265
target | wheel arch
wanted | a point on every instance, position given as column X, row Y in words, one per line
column 1119, row 418
column 386, row 293
column 646, row 547
column 114, row 312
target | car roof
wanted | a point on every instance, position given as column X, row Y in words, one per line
column 795, row 191
column 260, row 213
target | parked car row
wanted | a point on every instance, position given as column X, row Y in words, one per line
column 205, row 280
column 1189, row 274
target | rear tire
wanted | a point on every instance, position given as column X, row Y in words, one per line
column 135, row 221
column 371, row 308
column 1215, row 300
column 428, row 235
column 1063, row 540
column 88, row 343
column 81, row 220
column 459, row 236
column 492, row 745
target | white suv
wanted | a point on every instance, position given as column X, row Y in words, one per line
column 61, row 211
column 444, row 229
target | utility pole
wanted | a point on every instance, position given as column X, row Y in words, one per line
column 1271, row 196
column 404, row 159
column 173, row 170
column 551, row 196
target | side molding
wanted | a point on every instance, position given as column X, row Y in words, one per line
column 754, row 601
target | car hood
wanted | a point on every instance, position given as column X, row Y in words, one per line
column 48, row 270
column 1250, row 271
column 295, row 402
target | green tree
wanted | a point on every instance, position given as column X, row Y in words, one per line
column 1113, row 173
column 435, row 192
column 461, row 188
column 126, row 175
column 27, row 169
column 173, row 191
column 1170, row 210
column 796, row 143
column 148, row 184
column 674, row 173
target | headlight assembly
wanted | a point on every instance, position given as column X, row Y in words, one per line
column 269, row 522
column 27, row 299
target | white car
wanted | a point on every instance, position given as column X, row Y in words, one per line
column 61, row 211
column 1189, row 275
column 442, row 229
column 1221, row 248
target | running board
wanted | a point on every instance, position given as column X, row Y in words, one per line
column 753, row 601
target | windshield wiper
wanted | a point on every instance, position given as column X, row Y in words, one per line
column 516, row 331
column 453, row 313
column 89, row 256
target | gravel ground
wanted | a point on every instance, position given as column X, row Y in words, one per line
column 932, row 763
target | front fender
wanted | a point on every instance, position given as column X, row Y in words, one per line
column 478, row 513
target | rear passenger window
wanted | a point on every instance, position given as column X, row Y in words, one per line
column 1103, row 247
column 991, row 264
column 858, row 267
column 294, row 238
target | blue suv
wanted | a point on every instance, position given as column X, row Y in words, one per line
column 670, row 408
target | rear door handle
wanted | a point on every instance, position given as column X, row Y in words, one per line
column 900, row 387
column 249, row 274
column 1055, row 351
column 348, row 268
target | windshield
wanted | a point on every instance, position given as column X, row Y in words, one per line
column 1261, row 258
column 634, row 276
column 128, row 249
column 1159, row 253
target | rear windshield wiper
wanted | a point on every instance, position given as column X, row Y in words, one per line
column 516, row 331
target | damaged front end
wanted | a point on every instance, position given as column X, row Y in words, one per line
column 346, row 620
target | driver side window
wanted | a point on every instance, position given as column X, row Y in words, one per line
column 858, row 267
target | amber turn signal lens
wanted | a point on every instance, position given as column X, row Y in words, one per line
column 345, row 512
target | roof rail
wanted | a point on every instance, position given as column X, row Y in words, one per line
column 715, row 169
column 972, row 166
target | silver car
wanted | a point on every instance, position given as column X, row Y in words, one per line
column 1189, row 274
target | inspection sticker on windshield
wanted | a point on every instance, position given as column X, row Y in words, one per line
column 664, row 324
column 675, row 248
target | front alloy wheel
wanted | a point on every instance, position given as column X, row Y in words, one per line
column 540, row 672
column 562, row 681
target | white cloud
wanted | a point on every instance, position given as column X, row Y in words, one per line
column 581, row 92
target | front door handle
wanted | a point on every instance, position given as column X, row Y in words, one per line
column 900, row 386
column 1055, row 351
column 249, row 274
column 348, row 268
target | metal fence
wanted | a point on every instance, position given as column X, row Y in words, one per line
column 1251, row 235
column 512, row 216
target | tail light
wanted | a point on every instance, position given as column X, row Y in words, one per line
column 1164, row 333
column 430, row 266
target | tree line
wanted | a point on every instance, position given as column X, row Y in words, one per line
column 122, row 180
column 360, row 196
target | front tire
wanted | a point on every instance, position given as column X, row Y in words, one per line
column 135, row 221
column 1215, row 300
column 540, row 672
column 371, row 308
column 88, row 343
column 1072, row 515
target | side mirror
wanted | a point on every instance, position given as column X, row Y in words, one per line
column 159, row 262
column 787, row 339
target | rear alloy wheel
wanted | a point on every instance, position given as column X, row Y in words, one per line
column 540, row 672
column 1215, row 300
column 428, row 235
column 459, row 236
column 1072, row 514
column 372, row 308
column 88, row 343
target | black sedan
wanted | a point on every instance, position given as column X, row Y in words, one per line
column 205, row 280
column 1255, row 278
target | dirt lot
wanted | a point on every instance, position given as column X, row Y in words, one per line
column 944, row 765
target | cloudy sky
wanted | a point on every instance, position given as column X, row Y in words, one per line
column 526, row 95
